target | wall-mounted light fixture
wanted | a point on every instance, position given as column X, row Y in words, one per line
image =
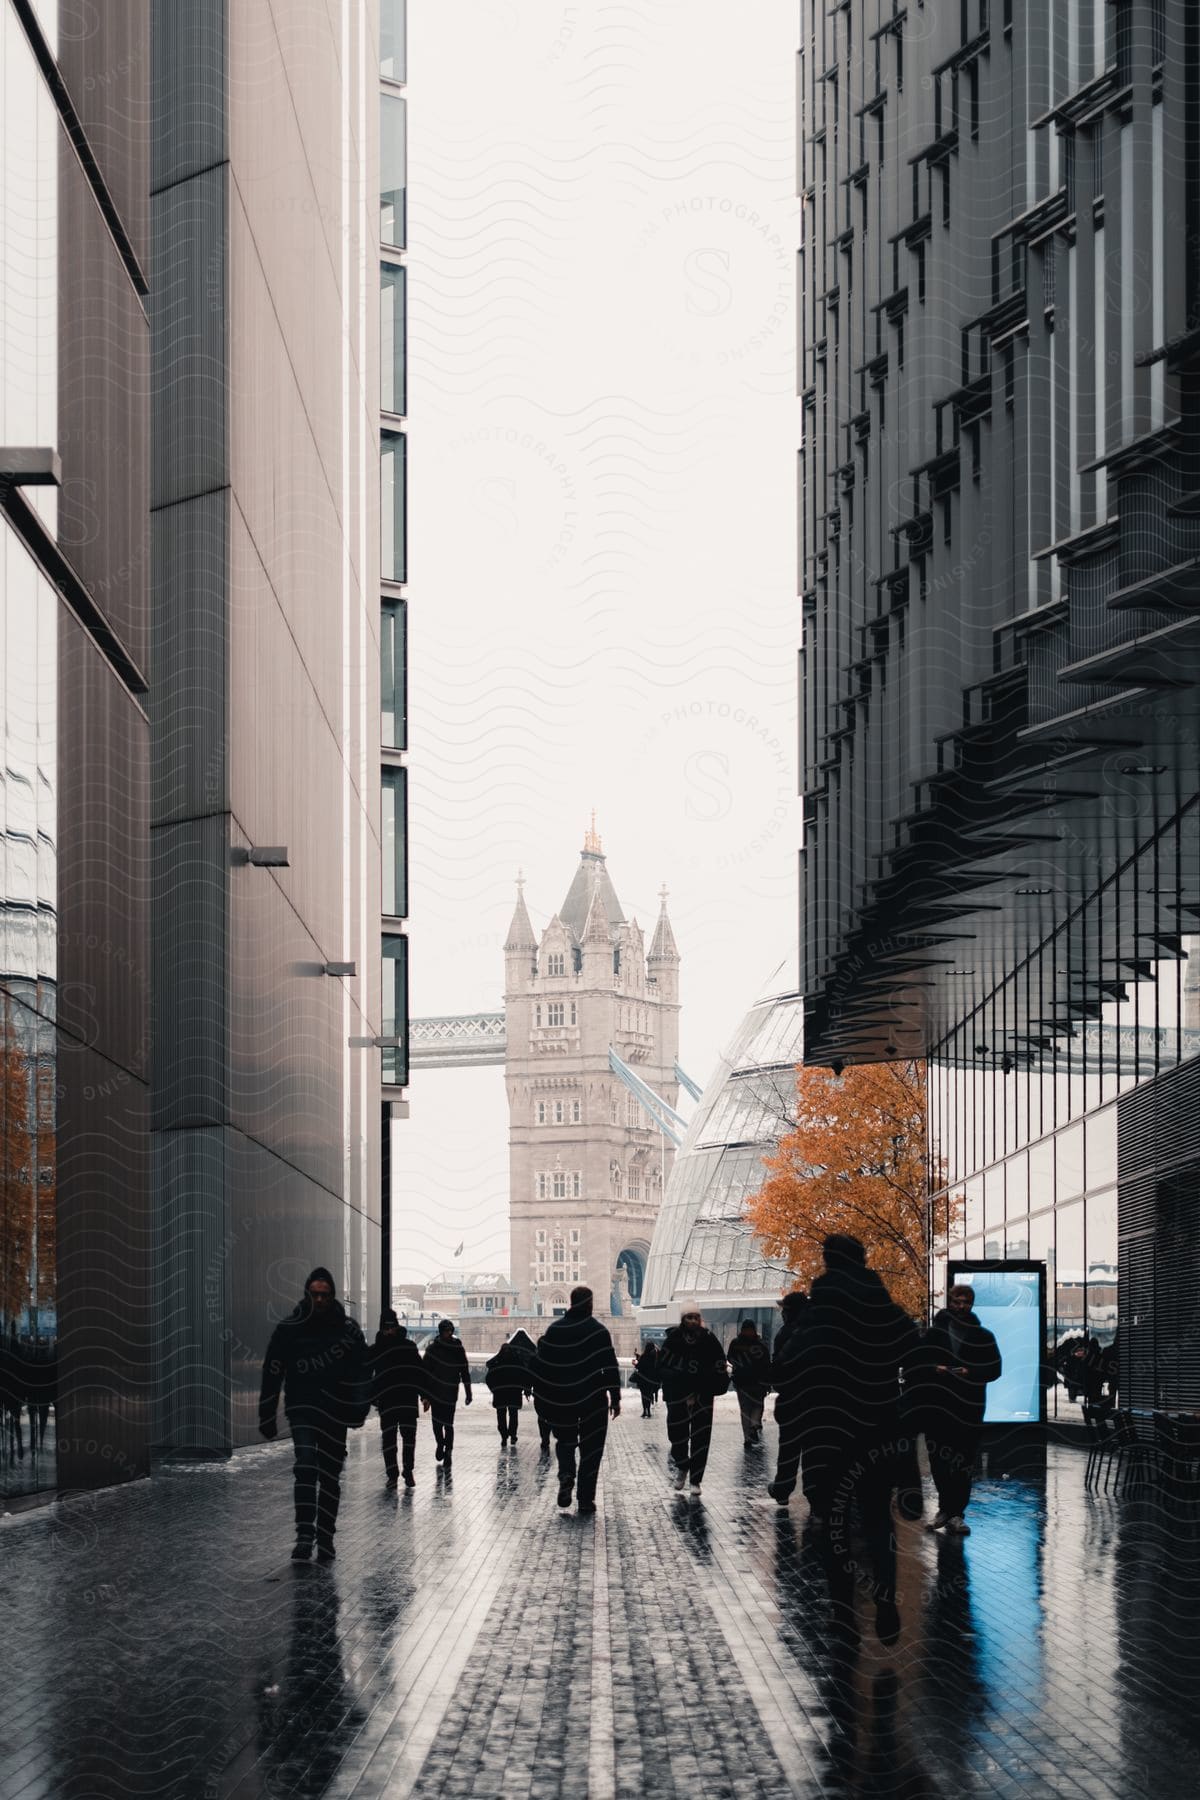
column 343, row 968
column 261, row 856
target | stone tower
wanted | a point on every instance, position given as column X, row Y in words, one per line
column 586, row 1166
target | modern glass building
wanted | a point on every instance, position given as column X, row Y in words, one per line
column 703, row 1250
column 1000, row 572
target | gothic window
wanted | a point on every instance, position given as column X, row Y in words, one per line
column 616, row 1109
column 635, row 1184
column 574, row 1013
column 554, row 1012
column 541, row 1112
column 576, row 1113
column 560, row 1184
column 539, row 1237
column 556, row 963
column 577, row 1186
column 541, row 1187
column 560, row 1112
column 537, row 1015
column 616, row 1183
column 574, row 1235
column 633, row 1111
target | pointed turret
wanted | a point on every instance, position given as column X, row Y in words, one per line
column 596, row 928
column 663, row 948
column 520, row 946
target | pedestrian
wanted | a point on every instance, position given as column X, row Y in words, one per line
column 789, row 1402
column 527, row 1350
column 949, row 1376
column 509, row 1381
column 693, row 1371
column 855, row 1339
column 645, row 1376
column 750, row 1362
column 577, row 1385
column 318, row 1357
column 445, row 1366
column 397, row 1386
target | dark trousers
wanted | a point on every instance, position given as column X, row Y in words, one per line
column 690, row 1430
column 544, row 1430
column 320, row 1451
column 649, row 1396
column 952, row 1448
column 849, row 1480
column 587, row 1434
column 751, row 1407
column 443, row 1426
column 404, row 1424
column 507, row 1414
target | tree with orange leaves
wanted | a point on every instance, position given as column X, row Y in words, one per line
column 856, row 1162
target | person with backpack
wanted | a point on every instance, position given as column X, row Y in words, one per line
column 397, row 1385
column 645, row 1377
column 317, row 1357
column 693, row 1371
column 750, row 1361
column 577, row 1385
column 445, row 1365
column 509, row 1381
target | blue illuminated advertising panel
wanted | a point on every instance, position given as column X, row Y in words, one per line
column 1010, row 1299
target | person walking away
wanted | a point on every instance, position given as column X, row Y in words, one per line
column 645, row 1376
column 789, row 1402
column 397, row 1386
column 855, row 1340
column 577, row 1386
column 445, row 1365
column 317, row 1357
column 508, row 1381
column 957, row 1359
column 750, row 1363
column 693, row 1371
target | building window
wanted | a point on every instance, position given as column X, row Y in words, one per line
column 574, row 1014
column 394, row 842
column 574, row 1236
column 576, row 1113
column 393, row 324
column 556, row 963
column 559, row 1112
column 560, row 1185
column 616, row 1183
column 635, row 1184
column 539, row 1237
column 577, row 1185
column 394, row 1019
column 615, row 1109
column 393, row 479
column 541, row 1187
column 537, row 1015
column 554, row 1012
column 393, row 39
column 393, row 178
column 541, row 1112
column 393, row 675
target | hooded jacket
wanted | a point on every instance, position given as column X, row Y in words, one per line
column 750, row 1363
column 854, row 1340
column 696, row 1368
column 507, row 1377
column 445, row 1366
column 952, row 1400
column 319, row 1360
column 576, row 1369
column 397, row 1377
column 645, row 1371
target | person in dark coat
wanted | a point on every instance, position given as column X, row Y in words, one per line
column 693, row 1371
column 527, row 1350
column 318, row 1357
column 509, row 1381
column 948, row 1379
column 750, row 1362
column 576, row 1386
column 445, row 1366
column 397, row 1386
column 645, row 1376
column 855, row 1340
column 789, row 1403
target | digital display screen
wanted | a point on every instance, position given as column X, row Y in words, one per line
column 1009, row 1301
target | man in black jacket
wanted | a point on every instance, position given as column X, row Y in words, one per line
column 789, row 1403
column 397, row 1386
column 318, row 1357
column 855, row 1340
column 576, row 1385
column 692, row 1369
column 948, row 1378
column 750, row 1363
column 445, row 1366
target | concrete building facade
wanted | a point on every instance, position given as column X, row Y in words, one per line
column 587, row 1168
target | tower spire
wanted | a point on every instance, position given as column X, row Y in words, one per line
column 520, row 932
column 663, row 947
column 591, row 838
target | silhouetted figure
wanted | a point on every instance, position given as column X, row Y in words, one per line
column 41, row 1387
column 948, row 1377
column 509, row 1381
column 750, row 1364
column 693, row 1371
column 318, row 1357
column 789, row 1402
column 855, row 1339
column 397, row 1387
column 13, row 1389
column 577, row 1384
column 445, row 1366
column 645, row 1376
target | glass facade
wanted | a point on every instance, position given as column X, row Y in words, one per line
column 28, row 1021
column 393, row 177
column 393, row 39
column 393, row 291
column 393, row 675
column 703, row 1248
column 393, row 472
column 395, row 1008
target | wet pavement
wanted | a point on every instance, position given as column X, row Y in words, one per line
column 472, row 1640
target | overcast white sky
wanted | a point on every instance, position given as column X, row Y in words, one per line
column 603, row 611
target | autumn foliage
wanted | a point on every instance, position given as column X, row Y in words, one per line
column 856, row 1162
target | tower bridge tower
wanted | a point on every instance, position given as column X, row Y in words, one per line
column 586, row 1166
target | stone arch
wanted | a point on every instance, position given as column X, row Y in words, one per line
column 632, row 1257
